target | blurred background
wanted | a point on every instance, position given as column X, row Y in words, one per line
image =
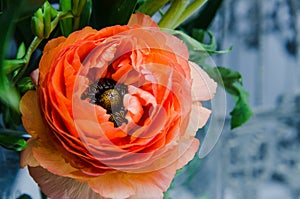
column 261, row 159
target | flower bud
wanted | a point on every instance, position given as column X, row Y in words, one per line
column 37, row 23
column 41, row 21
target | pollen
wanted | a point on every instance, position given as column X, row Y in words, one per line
column 109, row 95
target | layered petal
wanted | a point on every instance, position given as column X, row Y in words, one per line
column 55, row 186
column 116, row 112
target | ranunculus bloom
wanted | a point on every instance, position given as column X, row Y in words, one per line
column 115, row 112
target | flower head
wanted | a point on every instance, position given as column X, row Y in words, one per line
column 115, row 112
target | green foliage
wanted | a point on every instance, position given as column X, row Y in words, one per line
column 150, row 7
column 12, row 142
column 25, row 84
column 81, row 11
column 66, row 25
column 113, row 12
column 204, row 18
column 9, row 96
column 230, row 80
column 85, row 16
column 24, row 196
column 41, row 21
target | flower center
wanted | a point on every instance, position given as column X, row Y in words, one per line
column 107, row 94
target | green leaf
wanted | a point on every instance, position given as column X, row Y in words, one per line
column 166, row 195
column 228, row 76
column 242, row 111
column 198, row 51
column 199, row 35
column 24, row 10
column 25, row 84
column 86, row 14
column 150, row 7
column 12, row 142
column 113, row 12
column 24, row 196
column 11, row 118
column 231, row 81
column 8, row 94
column 204, row 17
column 21, row 51
column 12, row 139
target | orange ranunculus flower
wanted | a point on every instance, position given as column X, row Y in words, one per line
column 115, row 112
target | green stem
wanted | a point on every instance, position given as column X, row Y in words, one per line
column 152, row 6
column 76, row 23
column 36, row 42
column 33, row 46
column 173, row 13
column 191, row 9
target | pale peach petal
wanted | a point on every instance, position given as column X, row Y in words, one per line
column 198, row 118
column 142, row 20
column 189, row 154
column 204, row 114
column 115, row 185
column 203, row 87
column 146, row 98
column 58, row 187
column 152, row 185
column 34, row 75
column 31, row 116
column 134, row 108
column 52, row 160
column 153, row 46
column 121, row 185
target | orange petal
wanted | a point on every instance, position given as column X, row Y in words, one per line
column 49, row 55
column 142, row 19
column 54, row 47
column 59, row 187
column 203, row 87
column 121, row 185
column 26, row 157
column 50, row 159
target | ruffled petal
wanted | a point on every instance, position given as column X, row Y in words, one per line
column 49, row 158
column 142, row 20
column 59, row 187
column 203, row 87
column 31, row 116
column 26, row 157
column 121, row 185
column 189, row 154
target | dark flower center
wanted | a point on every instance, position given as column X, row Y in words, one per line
column 109, row 95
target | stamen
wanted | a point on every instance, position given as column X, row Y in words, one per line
column 108, row 95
